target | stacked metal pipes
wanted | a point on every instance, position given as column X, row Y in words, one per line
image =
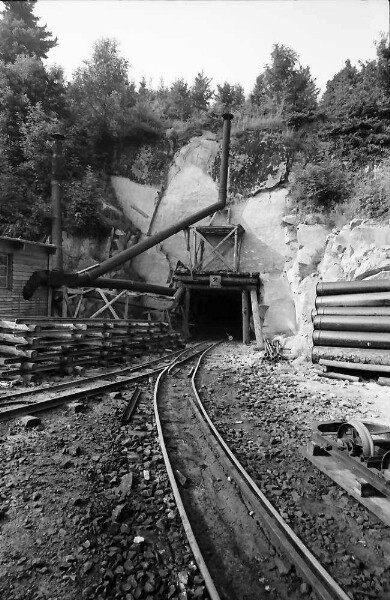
column 352, row 325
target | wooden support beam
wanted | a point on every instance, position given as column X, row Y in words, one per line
column 126, row 311
column 186, row 313
column 214, row 250
column 256, row 319
column 108, row 304
column 245, row 317
column 64, row 307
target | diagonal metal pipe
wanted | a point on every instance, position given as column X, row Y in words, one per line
column 88, row 278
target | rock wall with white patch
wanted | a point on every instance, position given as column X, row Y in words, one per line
column 290, row 256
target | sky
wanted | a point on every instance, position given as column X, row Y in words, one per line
column 230, row 40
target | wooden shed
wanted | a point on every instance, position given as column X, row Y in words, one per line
column 18, row 259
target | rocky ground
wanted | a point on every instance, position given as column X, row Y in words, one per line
column 86, row 509
column 266, row 412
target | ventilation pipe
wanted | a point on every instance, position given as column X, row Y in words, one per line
column 89, row 278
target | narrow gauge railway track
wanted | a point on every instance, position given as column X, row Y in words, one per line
column 231, row 526
column 44, row 398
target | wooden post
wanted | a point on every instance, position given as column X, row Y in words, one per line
column 126, row 311
column 64, row 308
column 245, row 317
column 186, row 313
column 49, row 301
column 256, row 319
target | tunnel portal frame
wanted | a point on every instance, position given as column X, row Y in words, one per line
column 248, row 284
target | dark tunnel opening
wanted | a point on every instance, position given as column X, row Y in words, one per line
column 215, row 313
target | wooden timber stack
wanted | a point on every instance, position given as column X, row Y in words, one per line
column 33, row 345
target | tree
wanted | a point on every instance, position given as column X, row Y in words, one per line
column 230, row 97
column 32, row 99
column 383, row 55
column 285, row 88
column 101, row 100
column 100, row 91
column 21, row 34
column 23, row 84
column 179, row 100
column 353, row 93
column 201, row 92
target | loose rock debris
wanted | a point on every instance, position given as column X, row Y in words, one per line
column 78, row 517
column 265, row 413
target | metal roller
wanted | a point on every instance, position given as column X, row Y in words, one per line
column 351, row 355
column 329, row 288
column 352, row 323
column 370, row 299
column 352, row 339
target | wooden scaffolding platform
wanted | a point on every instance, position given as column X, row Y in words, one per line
column 214, row 247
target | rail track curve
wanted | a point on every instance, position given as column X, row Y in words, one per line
column 175, row 408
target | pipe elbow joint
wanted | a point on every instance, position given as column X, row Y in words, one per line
column 37, row 279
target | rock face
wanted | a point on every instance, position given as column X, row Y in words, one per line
column 360, row 250
column 290, row 256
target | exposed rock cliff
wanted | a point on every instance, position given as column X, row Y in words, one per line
column 290, row 256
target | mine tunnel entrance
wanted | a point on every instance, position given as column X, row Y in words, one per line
column 215, row 313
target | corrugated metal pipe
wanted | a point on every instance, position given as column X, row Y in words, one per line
column 88, row 278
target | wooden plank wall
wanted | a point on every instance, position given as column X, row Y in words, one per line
column 25, row 261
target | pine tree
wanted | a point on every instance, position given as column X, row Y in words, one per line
column 201, row 92
column 285, row 88
column 230, row 97
column 21, row 34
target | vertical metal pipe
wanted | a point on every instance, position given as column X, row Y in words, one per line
column 223, row 174
column 56, row 227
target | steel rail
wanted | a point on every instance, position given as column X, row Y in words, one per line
column 105, row 387
column 30, row 406
column 86, row 380
column 63, row 398
column 281, row 533
column 179, row 503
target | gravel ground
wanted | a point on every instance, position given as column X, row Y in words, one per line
column 265, row 413
column 86, row 509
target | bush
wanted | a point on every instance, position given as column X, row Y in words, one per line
column 83, row 201
column 320, row 187
column 372, row 192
